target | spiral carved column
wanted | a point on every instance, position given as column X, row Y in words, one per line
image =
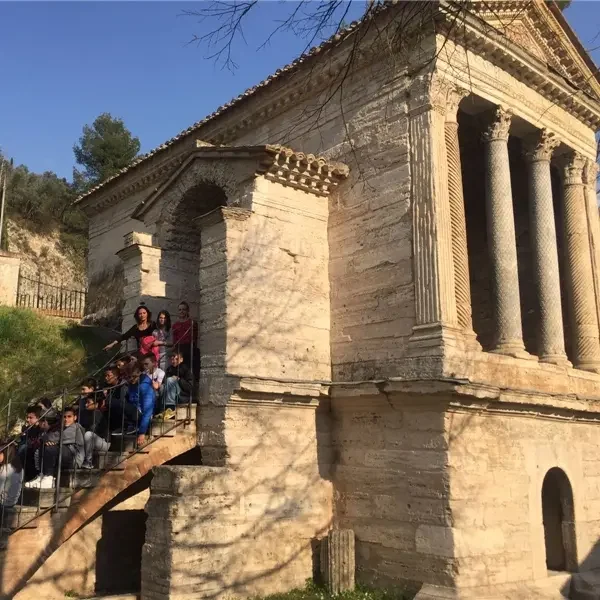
column 579, row 272
column 590, row 174
column 551, row 337
column 501, row 237
column 460, row 256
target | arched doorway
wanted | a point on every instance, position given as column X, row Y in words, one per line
column 559, row 521
column 180, row 240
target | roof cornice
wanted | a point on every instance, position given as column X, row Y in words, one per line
column 312, row 174
column 480, row 37
column 157, row 164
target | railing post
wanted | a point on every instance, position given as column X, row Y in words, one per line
column 8, row 417
column 39, row 283
column 60, row 447
column 189, row 407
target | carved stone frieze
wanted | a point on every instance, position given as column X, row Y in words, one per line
column 540, row 146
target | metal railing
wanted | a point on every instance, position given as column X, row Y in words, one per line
column 50, row 299
column 38, row 455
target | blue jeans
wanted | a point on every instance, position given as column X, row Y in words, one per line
column 170, row 393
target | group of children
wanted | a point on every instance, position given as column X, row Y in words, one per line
column 136, row 388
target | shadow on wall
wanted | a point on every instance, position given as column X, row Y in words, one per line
column 249, row 528
column 105, row 298
column 103, row 556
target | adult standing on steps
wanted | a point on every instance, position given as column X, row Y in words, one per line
column 141, row 332
column 185, row 338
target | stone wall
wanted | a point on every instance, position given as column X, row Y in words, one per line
column 277, row 303
column 452, row 497
column 370, row 222
column 369, row 235
column 249, row 527
column 9, row 278
column 391, row 485
column 497, row 464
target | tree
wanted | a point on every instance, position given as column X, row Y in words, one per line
column 104, row 148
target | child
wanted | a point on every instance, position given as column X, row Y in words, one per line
column 73, row 448
column 140, row 394
column 177, row 386
column 88, row 389
column 11, row 475
column 156, row 375
column 118, row 411
column 95, row 425
column 30, row 441
column 163, row 338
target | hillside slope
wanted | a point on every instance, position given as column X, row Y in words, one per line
column 58, row 257
column 40, row 355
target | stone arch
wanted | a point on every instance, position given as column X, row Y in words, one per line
column 200, row 189
column 558, row 514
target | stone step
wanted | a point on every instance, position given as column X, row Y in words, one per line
column 80, row 478
column 46, row 498
column 16, row 516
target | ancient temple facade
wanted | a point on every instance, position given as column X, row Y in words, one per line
column 398, row 294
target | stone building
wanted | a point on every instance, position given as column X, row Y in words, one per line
column 398, row 296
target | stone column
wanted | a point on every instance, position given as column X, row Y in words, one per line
column 460, row 255
column 590, row 174
column 551, row 337
column 501, row 237
column 579, row 273
column 141, row 269
column 435, row 300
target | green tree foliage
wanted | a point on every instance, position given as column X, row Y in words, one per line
column 104, row 148
column 43, row 201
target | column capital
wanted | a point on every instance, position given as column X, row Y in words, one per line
column 498, row 125
column 590, row 173
column 571, row 168
column 540, row 146
column 454, row 96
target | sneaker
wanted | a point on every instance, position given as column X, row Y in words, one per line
column 47, row 482
column 34, row 483
column 168, row 414
column 87, row 465
column 130, row 430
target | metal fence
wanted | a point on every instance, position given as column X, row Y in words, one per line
column 52, row 300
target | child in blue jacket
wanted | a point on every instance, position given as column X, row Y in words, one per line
column 141, row 395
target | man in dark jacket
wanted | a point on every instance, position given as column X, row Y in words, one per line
column 177, row 384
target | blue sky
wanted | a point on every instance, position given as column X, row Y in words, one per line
column 63, row 63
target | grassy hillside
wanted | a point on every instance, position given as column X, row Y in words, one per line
column 41, row 355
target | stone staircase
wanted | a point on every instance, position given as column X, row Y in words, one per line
column 585, row 586
column 34, row 529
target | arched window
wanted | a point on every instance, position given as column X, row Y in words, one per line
column 559, row 521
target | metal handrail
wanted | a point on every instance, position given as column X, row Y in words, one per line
column 113, row 467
